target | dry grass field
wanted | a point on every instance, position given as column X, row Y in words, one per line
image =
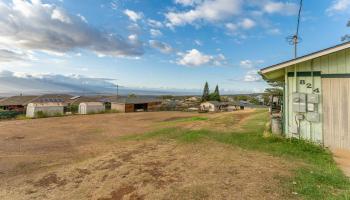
column 160, row 155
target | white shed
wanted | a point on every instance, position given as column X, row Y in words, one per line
column 91, row 107
column 48, row 109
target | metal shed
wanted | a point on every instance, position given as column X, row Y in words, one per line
column 91, row 107
column 48, row 109
column 316, row 96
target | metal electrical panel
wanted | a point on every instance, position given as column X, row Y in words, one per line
column 299, row 102
column 313, row 117
column 313, row 98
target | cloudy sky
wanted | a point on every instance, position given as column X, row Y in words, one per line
column 167, row 44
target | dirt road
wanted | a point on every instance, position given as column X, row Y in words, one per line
column 81, row 157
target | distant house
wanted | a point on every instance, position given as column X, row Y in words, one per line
column 214, row 106
column 193, row 99
column 136, row 104
column 16, row 103
column 91, row 107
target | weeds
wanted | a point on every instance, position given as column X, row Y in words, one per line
column 318, row 178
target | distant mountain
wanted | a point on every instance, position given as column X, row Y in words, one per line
column 14, row 84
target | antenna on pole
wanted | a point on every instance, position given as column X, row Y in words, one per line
column 117, row 91
column 295, row 39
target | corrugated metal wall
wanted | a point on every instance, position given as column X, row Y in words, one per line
column 336, row 99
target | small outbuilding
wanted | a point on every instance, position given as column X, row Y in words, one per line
column 316, row 96
column 46, row 109
column 91, row 107
column 214, row 106
column 136, row 105
column 16, row 103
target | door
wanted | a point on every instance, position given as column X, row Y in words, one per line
column 336, row 117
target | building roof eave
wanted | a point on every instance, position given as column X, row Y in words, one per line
column 265, row 71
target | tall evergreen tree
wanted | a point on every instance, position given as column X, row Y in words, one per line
column 205, row 96
column 217, row 93
column 215, row 96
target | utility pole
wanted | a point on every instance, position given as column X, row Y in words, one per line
column 295, row 39
column 117, row 91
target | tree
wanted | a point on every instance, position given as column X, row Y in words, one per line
column 253, row 100
column 346, row 37
column 132, row 95
column 205, row 96
column 215, row 96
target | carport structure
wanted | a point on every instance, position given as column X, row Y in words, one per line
column 136, row 104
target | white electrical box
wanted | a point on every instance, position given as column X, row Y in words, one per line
column 313, row 117
column 313, row 98
column 293, row 129
column 300, row 117
column 299, row 102
column 310, row 107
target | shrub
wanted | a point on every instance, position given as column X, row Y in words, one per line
column 40, row 114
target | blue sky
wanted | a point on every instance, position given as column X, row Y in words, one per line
column 168, row 44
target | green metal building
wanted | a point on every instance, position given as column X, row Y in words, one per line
column 316, row 96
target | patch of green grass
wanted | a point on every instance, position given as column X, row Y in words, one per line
column 193, row 119
column 22, row 117
column 173, row 133
column 318, row 177
column 186, row 119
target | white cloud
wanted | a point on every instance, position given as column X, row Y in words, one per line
column 10, row 56
column 248, row 64
column 339, row 6
column 155, row 33
column 232, row 27
column 286, row 8
column 274, row 31
column 206, row 10
column 244, row 24
column 114, row 5
column 133, row 38
column 133, row 16
column 161, row 46
column 154, row 23
column 45, row 27
column 196, row 58
column 59, row 14
column 252, row 76
column 198, row 42
column 247, row 23
column 219, row 60
column 82, row 18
